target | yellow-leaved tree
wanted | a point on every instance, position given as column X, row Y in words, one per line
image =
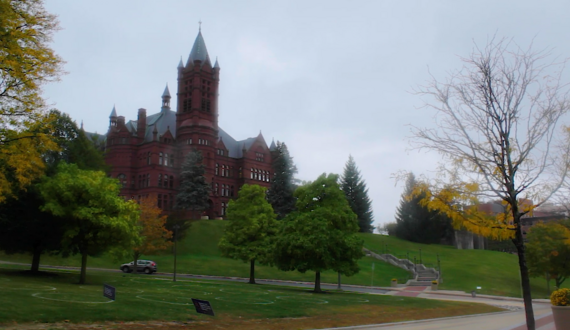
column 155, row 237
column 26, row 63
column 498, row 125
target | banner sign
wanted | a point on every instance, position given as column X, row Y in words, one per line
column 109, row 291
column 203, row 306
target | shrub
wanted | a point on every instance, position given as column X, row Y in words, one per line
column 560, row 297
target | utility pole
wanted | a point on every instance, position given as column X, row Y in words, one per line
column 175, row 227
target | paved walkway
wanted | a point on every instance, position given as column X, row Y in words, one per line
column 513, row 319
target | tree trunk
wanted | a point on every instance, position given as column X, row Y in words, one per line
column 36, row 260
column 252, row 271
column 83, row 268
column 525, row 281
column 318, row 282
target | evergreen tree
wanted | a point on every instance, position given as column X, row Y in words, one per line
column 357, row 195
column 416, row 223
column 194, row 190
column 280, row 195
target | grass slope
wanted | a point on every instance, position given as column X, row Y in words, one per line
column 198, row 253
column 496, row 272
column 54, row 298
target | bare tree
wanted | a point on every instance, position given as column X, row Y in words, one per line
column 498, row 126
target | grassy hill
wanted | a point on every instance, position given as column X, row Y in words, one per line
column 496, row 272
column 198, row 253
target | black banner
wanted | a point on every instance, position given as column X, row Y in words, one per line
column 203, row 306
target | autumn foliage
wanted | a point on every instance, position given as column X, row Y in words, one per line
column 155, row 237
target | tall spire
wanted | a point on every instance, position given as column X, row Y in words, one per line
column 180, row 64
column 199, row 51
column 166, row 98
column 216, row 65
column 113, row 113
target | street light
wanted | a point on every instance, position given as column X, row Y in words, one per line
column 175, row 227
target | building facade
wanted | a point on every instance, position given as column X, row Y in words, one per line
column 146, row 154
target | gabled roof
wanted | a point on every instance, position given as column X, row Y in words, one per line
column 199, row 51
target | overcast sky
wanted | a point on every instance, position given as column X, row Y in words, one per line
column 328, row 78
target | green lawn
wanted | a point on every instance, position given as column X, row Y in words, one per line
column 198, row 254
column 54, row 297
column 497, row 273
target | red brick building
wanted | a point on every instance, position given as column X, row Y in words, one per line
column 146, row 154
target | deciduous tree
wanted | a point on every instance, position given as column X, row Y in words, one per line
column 27, row 62
column 251, row 229
column 280, row 194
column 154, row 236
column 194, row 190
column 498, row 127
column 548, row 251
column 321, row 234
column 96, row 218
column 356, row 193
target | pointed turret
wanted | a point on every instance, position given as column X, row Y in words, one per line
column 216, row 65
column 166, row 98
column 113, row 117
column 273, row 146
column 199, row 51
column 113, row 112
column 180, row 64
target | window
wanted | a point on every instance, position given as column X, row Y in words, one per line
column 240, row 172
column 223, row 170
column 165, row 159
column 189, row 141
column 159, row 204
column 216, row 189
column 148, row 158
column 217, row 169
column 160, row 158
column 259, row 156
column 123, row 140
column 166, row 181
column 160, row 180
column 251, row 174
column 171, row 181
column 223, row 209
column 122, row 180
column 171, row 160
column 148, row 180
column 223, row 189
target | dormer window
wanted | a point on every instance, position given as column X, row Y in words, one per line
column 259, row 156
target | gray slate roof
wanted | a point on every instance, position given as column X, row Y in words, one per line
column 199, row 51
column 113, row 113
column 166, row 92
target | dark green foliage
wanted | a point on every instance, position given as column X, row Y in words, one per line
column 356, row 193
column 177, row 218
column 194, row 190
column 26, row 229
column 280, row 195
column 321, row 234
column 251, row 229
column 75, row 146
column 416, row 223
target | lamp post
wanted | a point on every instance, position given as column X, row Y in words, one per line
column 175, row 227
column 421, row 256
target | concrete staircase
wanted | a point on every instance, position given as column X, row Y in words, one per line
column 422, row 275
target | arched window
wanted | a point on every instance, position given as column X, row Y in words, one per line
column 223, row 170
column 171, row 181
column 223, row 189
column 166, row 181
column 223, row 209
column 171, row 160
column 122, row 179
column 160, row 180
column 160, row 158
column 165, row 159
column 148, row 158
column 251, row 174
column 217, row 168
column 216, row 190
